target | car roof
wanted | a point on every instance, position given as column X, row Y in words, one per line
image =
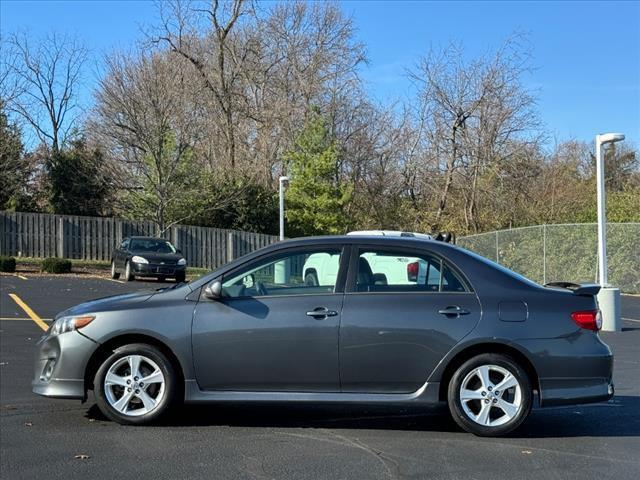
column 390, row 233
column 148, row 238
column 351, row 239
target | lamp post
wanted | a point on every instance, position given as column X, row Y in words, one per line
column 282, row 269
column 283, row 184
column 608, row 297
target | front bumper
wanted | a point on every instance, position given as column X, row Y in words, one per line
column 60, row 363
column 153, row 270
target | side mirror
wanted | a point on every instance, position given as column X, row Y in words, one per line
column 178, row 251
column 213, row 290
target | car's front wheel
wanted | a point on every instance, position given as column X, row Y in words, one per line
column 114, row 273
column 490, row 395
column 135, row 385
column 128, row 275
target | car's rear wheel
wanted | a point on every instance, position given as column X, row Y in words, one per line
column 114, row 273
column 135, row 385
column 490, row 395
column 180, row 277
column 128, row 275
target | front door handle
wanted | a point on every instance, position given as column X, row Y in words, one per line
column 454, row 311
column 321, row 312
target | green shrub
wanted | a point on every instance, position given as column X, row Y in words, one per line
column 7, row 264
column 56, row 265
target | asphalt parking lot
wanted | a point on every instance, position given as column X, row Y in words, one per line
column 45, row 438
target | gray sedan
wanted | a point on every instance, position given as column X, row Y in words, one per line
column 456, row 328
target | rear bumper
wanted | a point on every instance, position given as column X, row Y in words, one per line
column 59, row 365
column 154, row 270
column 572, row 391
column 572, row 370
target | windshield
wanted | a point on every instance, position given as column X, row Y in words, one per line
column 151, row 245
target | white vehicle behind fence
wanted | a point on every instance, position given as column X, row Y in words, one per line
column 321, row 269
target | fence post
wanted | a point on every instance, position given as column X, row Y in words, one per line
column 230, row 247
column 173, row 234
column 61, row 238
column 3, row 249
column 118, row 238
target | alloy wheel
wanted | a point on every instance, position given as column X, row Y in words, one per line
column 134, row 385
column 490, row 395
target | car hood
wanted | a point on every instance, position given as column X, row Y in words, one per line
column 114, row 302
column 154, row 257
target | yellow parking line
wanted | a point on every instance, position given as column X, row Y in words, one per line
column 24, row 319
column 38, row 321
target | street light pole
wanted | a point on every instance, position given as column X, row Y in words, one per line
column 608, row 298
column 283, row 182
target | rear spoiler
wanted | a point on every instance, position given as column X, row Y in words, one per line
column 586, row 289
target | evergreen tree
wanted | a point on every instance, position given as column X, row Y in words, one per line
column 315, row 198
column 76, row 182
column 14, row 169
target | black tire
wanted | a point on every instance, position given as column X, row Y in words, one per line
column 165, row 404
column 161, row 279
column 181, row 277
column 128, row 275
column 114, row 273
column 311, row 279
column 463, row 419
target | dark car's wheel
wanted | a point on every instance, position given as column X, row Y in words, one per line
column 114, row 273
column 180, row 277
column 128, row 276
column 135, row 385
column 490, row 395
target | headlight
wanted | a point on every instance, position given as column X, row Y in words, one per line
column 68, row 324
column 182, row 261
column 137, row 259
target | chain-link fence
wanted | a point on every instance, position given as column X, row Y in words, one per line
column 565, row 252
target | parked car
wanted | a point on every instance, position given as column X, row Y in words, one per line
column 483, row 339
column 148, row 257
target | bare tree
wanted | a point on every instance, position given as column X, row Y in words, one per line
column 146, row 115
column 45, row 76
column 208, row 52
column 476, row 112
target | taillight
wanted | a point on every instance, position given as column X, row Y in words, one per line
column 412, row 271
column 589, row 319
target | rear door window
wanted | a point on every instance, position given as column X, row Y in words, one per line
column 395, row 271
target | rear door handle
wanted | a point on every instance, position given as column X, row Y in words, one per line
column 321, row 312
column 454, row 311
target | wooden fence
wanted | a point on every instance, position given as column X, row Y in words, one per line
column 94, row 238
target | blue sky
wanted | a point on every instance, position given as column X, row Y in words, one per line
column 586, row 54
